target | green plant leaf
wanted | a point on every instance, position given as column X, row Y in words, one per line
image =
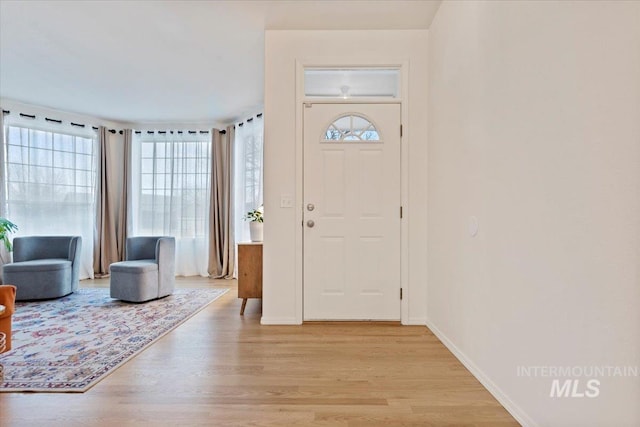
column 7, row 227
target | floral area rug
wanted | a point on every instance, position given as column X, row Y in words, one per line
column 69, row 344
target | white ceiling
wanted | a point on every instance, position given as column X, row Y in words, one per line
column 164, row 61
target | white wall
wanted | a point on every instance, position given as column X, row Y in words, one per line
column 534, row 128
column 282, row 287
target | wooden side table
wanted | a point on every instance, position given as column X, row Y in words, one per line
column 249, row 272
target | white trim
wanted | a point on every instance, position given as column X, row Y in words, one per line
column 416, row 321
column 491, row 387
column 299, row 277
column 403, row 100
column 279, row 321
column 404, row 193
column 359, row 100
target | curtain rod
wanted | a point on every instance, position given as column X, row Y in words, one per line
column 30, row 116
column 58, row 121
column 162, row 132
column 250, row 119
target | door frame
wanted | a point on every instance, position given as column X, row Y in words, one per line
column 403, row 66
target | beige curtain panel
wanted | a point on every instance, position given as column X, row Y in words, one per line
column 104, row 240
column 221, row 244
column 124, row 218
column 110, row 232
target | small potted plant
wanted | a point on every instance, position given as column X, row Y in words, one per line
column 6, row 228
column 256, row 218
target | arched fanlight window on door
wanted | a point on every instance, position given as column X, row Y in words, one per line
column 352, row 127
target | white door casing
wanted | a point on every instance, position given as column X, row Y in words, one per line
column 351, row 219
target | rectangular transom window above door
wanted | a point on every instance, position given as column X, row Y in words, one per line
column 348, row 83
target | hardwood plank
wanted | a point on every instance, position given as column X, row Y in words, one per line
column 220, row 368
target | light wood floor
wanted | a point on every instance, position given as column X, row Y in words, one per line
column 222, row 369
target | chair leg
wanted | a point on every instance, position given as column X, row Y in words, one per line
column 244, row 304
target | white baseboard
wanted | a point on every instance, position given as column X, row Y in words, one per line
column 500, row 396
column 279, row 321
column 414, row 321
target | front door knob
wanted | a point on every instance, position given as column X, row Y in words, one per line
column 310, row 223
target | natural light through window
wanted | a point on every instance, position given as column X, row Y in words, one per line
column 50, row 172
column 174, row 187
column 351, row 128
column 171, row 193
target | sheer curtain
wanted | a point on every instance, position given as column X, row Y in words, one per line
column 5, row 255
column 49, row 180
column 247, row 160
column 171, row 174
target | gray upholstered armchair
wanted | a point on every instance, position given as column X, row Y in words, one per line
column 148, row 272
column 44, row 267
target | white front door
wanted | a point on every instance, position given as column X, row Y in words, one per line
column 351, row 212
